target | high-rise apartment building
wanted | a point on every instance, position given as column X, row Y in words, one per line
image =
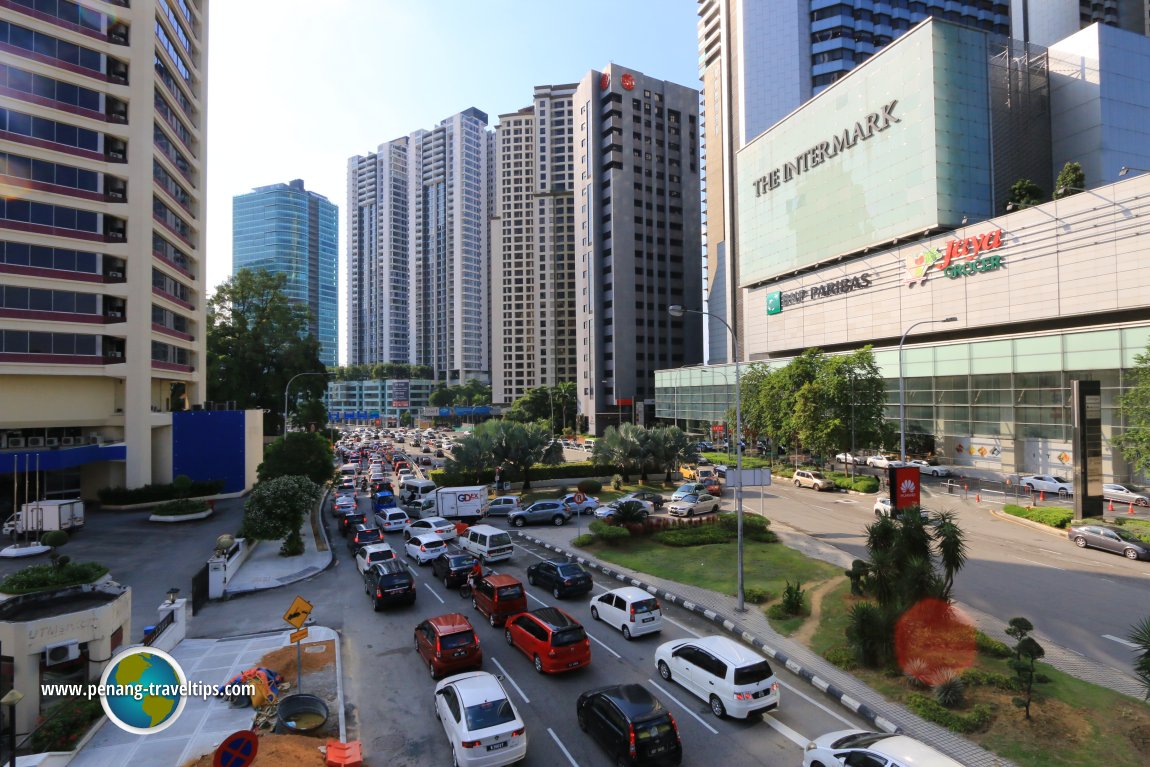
column 533, row 287
column 102, row 311
column 285, row 229
column 1045, row 22
column 636, row 239
column 418, row 214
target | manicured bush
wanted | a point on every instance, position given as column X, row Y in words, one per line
column 866, row 484
column 120, row 496
column 1046, row 515
column 976, row 720
column 583, row 541
column 843, row 657
column 757, row 596
column 693, row 535
column 778, row 613
column 975, row 676
column 180, row 507
column 609, row 533
column 41, row 577
column 991, row 647
column 66, row 723
column 755, row 528
column 576, row 470
column 54, row 538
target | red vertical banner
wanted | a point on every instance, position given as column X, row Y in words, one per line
column 904, row 487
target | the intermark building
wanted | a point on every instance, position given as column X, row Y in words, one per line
column 879, row 208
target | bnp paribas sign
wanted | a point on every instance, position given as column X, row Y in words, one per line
column 824, row 151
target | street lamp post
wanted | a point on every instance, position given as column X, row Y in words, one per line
column 675, row 310
column 289, row 383
column 902, row 385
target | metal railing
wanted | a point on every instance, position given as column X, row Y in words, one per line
column 160, row 627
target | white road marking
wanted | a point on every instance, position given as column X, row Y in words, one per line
column 813, row 702
column 433, row 592
column 669, row 696
column 562, row 748
column 690, row 631
column 787, row 732
column 1042, row 564
column 1051, row 551
column 824, row 508
column 604, row 646
column 847, row 501
column 507, row 676
column 1121, row 641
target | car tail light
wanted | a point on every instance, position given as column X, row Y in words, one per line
column 631, row 741
column 423, row 548
column 744, row 696
column 517, row 733
column 632, row 613
column 674, row 728
column 378, row 592
column 470, row 743
column 438, row 649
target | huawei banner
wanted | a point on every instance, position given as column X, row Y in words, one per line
column 904, row 487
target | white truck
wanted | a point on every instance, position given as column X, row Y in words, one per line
column 462, row 503
column 42, row 516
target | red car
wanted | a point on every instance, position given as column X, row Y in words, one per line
column 448, row 644
column 551, row 638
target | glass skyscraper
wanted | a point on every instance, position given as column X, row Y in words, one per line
column 288, row 230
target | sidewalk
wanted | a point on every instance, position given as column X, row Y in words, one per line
column 203, row 724
column 752, row 626
column 266, row 569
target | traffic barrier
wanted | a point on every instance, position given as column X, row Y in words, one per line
column 344, row 754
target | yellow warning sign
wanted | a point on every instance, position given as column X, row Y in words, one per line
column 298, row 613
column 298, row 636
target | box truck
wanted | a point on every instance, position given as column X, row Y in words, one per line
column 462, row 503
column 42, row 516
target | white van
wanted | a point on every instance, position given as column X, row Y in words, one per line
column 487, row 543
column 412, row 490
column 735, row 680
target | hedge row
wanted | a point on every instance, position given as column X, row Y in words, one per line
column 580, row 470
column 928, row 708
column 180, row 507
column 1052, row 515
column 39, row 577
column 122, row 496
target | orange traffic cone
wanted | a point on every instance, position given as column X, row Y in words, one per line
column 978, row 497
column 1130, row 511
column 1111, row 506
column 1042, row 495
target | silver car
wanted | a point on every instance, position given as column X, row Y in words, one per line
column 1124, row 494
column 554, row 512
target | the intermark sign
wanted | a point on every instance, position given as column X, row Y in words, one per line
column 875, row 122
column 958, row 257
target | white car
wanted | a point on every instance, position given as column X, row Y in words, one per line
column 690, row 505
column 882, row 462
column 1124, row 494
column 390, row 520
column 603, row 512
column 480, row 721
column 369, row 555
column 424, row 548
column 437, row 526
column 862, row 747
column 882, row 508
column 630, row 609
column 849, row 458
column 733, row 679
column 925, row 468
column 1047, row 483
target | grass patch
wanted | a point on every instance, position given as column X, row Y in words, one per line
column 41, row 577
column 1046, row 515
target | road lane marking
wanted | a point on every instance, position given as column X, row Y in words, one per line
column 824, row 508
column 813, row 702
column 669, row 696
column 1042, row 564
column 507, row 676
column 787, row 732
column 434, row 593
column 1121, row 641
column 690, row 631
column 604, row 646
column 562, row 748
column 1051, row 551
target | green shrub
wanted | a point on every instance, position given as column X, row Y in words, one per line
column 66, row 723
column 54, row 538
column 948, row 688
column 693, row 535
column 40, row 577
column 574, row 470
column 180, row 507
column 1052, row 515
column 617, row 481
column 991, row 647
column 583, row 541
column 973, row 676
column 778, row 612
column 843, row 657
column 793, row 598
column 608, row 533
column 120, row 496
column 866, row 484
column 590, row 486
column 756, row 596
column 976, row 720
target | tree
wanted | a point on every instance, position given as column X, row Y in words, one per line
column 257, row 340
column 309, row 412
column 276, row 510
column 1134, row 441
column 1026, row 652
column 669, row 448
column 621, row 447
column 1071, row 180
column 301, row 452
column 1140, row 635
column 505, row 443
column 1025, row 192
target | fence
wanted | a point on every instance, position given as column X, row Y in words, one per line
column 167, row 620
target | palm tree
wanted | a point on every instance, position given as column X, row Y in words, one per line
column 630, row 512
column 950, row 545
column 1140, row 635
column 670, row 448
column 619, row 447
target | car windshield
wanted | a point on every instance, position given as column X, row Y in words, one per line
column 1060, row 480
column 460, row 560
column 490, row 713
column 458, row 639
column 645, row 606
column 1127, row 536
column 499, row 539
column 692, row 498
column 570, row 571
column 569, row 636
column 817, row 475
column 511, row 592
column 859, row 740
column 753, row 674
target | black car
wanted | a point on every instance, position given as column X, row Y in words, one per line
column 349, row 520
column 452, row 569
column 654, row 498
column 363, row 536
column 1113, row 539
column 563, row 578
column 630, row 724
column 389, row 582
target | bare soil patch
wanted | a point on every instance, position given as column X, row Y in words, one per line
column 804, row 632
column 316, row 657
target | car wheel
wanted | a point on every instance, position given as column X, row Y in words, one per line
column 797, row 483
column 538, row 664
column 717, row 707
column 582, row 723
column 690, row 512
column 558, row 520
column 627, row 633
column 594, row 613
column 507, row 636
column 555, row 593
column 431, row 670
column 531, row 578
column 1028, row 487
column 375, row 605
column 1062, row 493
column 518, row 522
column 715, row 509
column 1080, row 542
column 1131, row 553
column 664, row 671
column 493, row 620
column 446, row 583
column 1141, row 502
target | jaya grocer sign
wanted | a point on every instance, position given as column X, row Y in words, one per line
column 957, row 258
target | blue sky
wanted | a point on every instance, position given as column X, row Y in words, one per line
column 296, row 87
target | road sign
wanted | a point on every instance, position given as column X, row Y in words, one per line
column 579, row 498
column 237, row 750
column 298, row 613
column 298, row 636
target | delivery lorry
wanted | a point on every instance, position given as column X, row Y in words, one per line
column 42, row 516
column 460, row 503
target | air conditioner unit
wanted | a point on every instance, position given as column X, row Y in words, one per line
column 15, row 442
column 35, row 442
column 115, row 194
column 115, row 155
column 63, row 652
column 67, row 441
column 115, row 353
column 116, row 275
column 94, row 438
column 114, row 313
column 51, row 442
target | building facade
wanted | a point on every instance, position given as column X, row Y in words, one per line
column 532, row 247
column 1047, row 21
column 285, row 229
column 102, row 312
column 636, row 240
column 391, row 403
column 418, row 215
